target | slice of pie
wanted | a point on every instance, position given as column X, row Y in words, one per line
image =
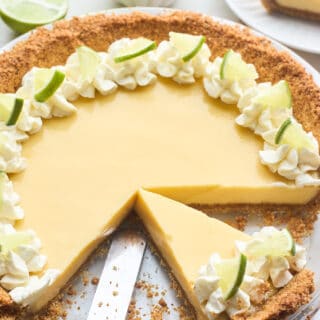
column 304, row 9
column 142, row 130
column 185, row 250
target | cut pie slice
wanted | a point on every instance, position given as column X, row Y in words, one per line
column 185, row 246
column 188, row 245
column 304, row 9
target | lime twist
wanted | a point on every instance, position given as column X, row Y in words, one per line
column 293, row 134
column 46, row 83
column 276, row 97
column 10, row 108
column 231, row 274
column 187, row 45
column 233, row 68
column 89, row 61
column 136, row 47
column 279, row 244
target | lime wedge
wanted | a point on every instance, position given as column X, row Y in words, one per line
column 276, row 97
column 24, row 15
column 10, row 108
column 281, row 130
column 280, row 244
column 46, row 83
column 188, row 45
column 293, row 134
column 231, row 273
column 11, row 241
column 89, row 61
column 233, row 68
column 136, row 47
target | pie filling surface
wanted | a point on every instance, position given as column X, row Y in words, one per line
column 172, row 139
column 311, row 5
column 84, row 173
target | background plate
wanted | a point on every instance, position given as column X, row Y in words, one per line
column 296, row 33
column 152, row 271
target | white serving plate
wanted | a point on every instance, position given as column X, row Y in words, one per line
column 293, row 32
column 152, row 271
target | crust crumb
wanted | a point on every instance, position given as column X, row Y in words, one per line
column 287, row 300
column 5, row 299
column 298, row 219
column 95, row 281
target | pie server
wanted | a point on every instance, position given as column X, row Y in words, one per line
column 118, row 278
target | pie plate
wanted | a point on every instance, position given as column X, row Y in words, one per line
column 296, row 33
column 152, row 271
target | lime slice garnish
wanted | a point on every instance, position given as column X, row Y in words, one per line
column 293, row 134
column 24, row 15
column 89, row 61
column 276, row 97
column 10, row 108
column 136, row 47
column 279, row 244
column 231, row 273
column 281, row 130
column 12, row 241
column 188, row 45
column 233, row 68
column 46, row 83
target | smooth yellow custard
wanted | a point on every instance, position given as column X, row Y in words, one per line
column 308, row 5
column 84, row 171
column 186, row 247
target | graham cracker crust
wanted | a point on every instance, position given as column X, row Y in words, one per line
column 273, row 6
column 287, row 300
column 45, row 48
column 298, row 219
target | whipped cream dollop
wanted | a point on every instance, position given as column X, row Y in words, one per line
column 34, row 289
column 26, row 122
column 256, row 116
column 11, row 159
column 76, row 84
column 168, row 63
column 228, row 91
column 10, row 211
column 56, row 106
column 300, row 165
column 130, row 73
column 255, row 288
column 210, row 295
column 17, row 264
column 279, row 268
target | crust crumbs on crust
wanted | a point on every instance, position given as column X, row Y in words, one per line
column 287, row 300
column 5, row 299
column 299, row 219
column 45, row 48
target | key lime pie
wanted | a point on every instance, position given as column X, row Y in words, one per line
column 114, row 113
column 304, row 9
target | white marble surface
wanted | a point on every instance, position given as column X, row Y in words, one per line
column 210, row 7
